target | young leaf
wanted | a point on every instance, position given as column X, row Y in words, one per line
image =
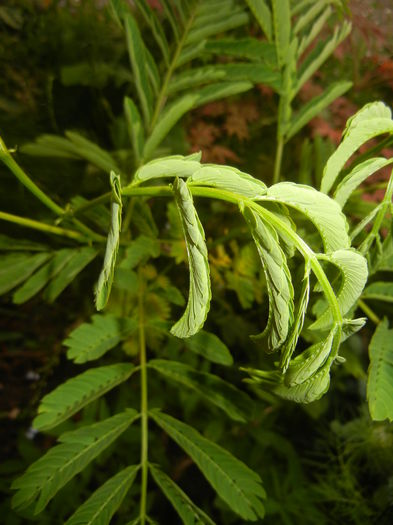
column 316, row 106
column 306, row 364
column 357, row 135
column 380, row 375
column 215, row 23
column 356, row 176
column 199, row 293
column 282, row 28
column 105, row 279
column 135, row 128
column 235, row 403
column 44, row 478
column 233, row 481
column 291, row 342
column 309, row 391
column 314, row 31
column 303, row 20
column 17, row 267
column 104, row 502
column 140, row 249
column 369, row 111
column 229, row 179
column 320, row 209
column 166, row 122
column 210, row 347
column 263, row 15
column 189, row 513
column 81, row 257
column 137, row 54
column 41, row 278
column 278, row 279
column 90, row 151
column 249, row 47
column 92, row 340
column 173, row 166
column 220, row 90
column 379, row 291
column 353, row 267
column 156, row 28
column 75, row 393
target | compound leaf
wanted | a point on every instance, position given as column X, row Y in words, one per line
column 105, row 279
column 103, row 503
column 263, row 15
column 92, row 340
column 199, row 292
column 17, row 267
column 233, row 481
column 353, row 267
column 75, row 393
column 235, row 403
column 210, row 347
column 320, row 209
column 186, row 509
column 379, row 291
column 44, row 478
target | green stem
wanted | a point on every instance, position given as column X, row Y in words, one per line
column 370, row 313
column 8, row 160
column 278, row 160
column 302, row 246
column 144, row 402
column 36, row 225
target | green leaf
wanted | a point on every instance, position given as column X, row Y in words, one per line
column 282, row 28
column 17, row 267
column 353, row 267
column 248, row 47
column 88, row 150
column 140, row 249
column 294, row 334
column 220, row 90
column 316, row 106
column 379, row 291
column 306, row 364
column 189, row 513
column 135, row 128
column 41, row 278
column 75, row 393
column 233, row 481
column 356, row 176
column 230, row 179
column 211, row 26
column 309, row 391
column 81, row 257
column 210, row 347
column 256, row 73
column 278, row 279
column 156, row 28
column 105, row 279
column 354, row 138
column 137, row 54
column 44, row 478
column 263, row 16
column 199, row 293
column 166, row 122
column 173, row 166
column 320, row 209
column 104, row 502
column 369, row 111
column 313, row 32
column 320, row 54
column 92, row 340
column 380, row 375
column 51, row 146
column 235, row 403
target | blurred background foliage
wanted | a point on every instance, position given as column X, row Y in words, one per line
column 65, row 67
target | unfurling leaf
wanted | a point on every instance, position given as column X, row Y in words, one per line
column 105, row 280
column 278, row 279
column 199, row 292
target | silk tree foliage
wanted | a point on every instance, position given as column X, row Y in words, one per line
column 300, row 376
column 335, row 258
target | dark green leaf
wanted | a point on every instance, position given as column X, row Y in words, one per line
column 210, row 347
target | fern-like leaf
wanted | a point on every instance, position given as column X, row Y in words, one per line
column 44, row 478
column 74, row 394
column 233, row 481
